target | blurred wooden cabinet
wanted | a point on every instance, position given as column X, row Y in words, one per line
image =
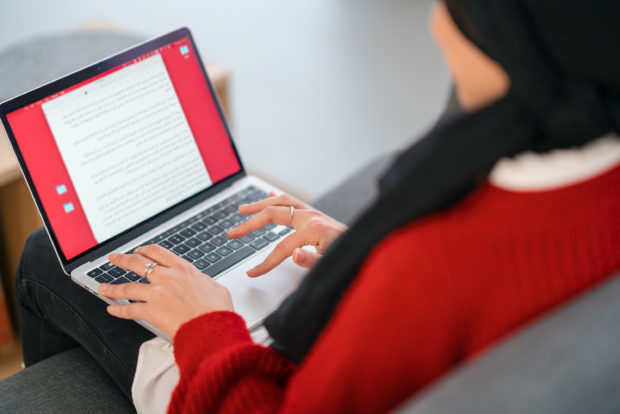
column 18, row 217
column 18, row 213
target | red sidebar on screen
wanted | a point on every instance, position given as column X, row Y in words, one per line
column 49, row 173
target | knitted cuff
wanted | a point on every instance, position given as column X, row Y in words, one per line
column 205, row 335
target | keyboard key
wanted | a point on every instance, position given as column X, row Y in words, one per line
column 166, row 244
column 247, row 238
column 188, row 258
column 237, row 218
column 199, row 226
column 213, row 257
column 229, row 209
column 116, row 272
column 167, row 233
column 228, row 261
column 193, row 242
column 259, row 243
column 224, row 250
column 207, row 247
column 143, row 280
column 195, row 254
column 235, row 244
column 106, row 267
column 259, row 232
column 132, row 276
column 215, row 230
column 119, row 281
column 220, row 215
column 204, row 236
column 226, row 223
column 257, row 195
column 201, row 264
column 285, row 231
column 218, row 240
column 188, row 233
column 270, row 226
column 271, row 236
column 156, row 239
column 95, row 272
column 104, row 278
column 181, row 249
column 208, row 221
column 176, row 239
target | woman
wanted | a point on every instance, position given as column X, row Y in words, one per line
column 461, row 247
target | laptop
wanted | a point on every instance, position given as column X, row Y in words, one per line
column 135, row 150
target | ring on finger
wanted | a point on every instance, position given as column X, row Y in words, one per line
column 290, row 221
column 150, row 266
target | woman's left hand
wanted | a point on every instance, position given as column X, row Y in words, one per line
column 177, row 292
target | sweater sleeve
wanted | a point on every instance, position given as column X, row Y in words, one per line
column 222, row 370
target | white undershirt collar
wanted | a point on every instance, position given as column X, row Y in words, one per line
column 530, row 171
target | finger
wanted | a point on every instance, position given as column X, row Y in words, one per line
column 160, row 255
column 133, row 262
column 129, row 291
column 282, row 250
column 271, row 214
column 280, row 200
column 304, row 258
column 136, row 310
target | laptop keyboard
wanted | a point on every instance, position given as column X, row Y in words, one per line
column 202, row 240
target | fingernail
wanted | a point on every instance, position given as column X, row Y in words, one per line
column 113, row 256
column 110, row 309
column 298, row 254
column 251, row 272
column 103, row 287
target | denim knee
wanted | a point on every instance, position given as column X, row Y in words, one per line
column 36, row 261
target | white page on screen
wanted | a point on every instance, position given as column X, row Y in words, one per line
column 127, row 146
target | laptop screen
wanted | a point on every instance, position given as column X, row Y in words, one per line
column 117, row 149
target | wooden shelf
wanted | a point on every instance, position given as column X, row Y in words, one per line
column 9, row 168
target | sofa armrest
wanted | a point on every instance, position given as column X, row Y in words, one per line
column 70, row 382
column 568, row 362
column 348, row 199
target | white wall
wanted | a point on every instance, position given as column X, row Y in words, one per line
column 318, row 86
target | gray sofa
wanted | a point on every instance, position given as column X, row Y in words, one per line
column 567, row 362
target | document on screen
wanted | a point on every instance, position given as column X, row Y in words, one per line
column 127, row 146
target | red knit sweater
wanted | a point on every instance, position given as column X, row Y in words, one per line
column 430, row 295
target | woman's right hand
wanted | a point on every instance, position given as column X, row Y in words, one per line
column 312, row 228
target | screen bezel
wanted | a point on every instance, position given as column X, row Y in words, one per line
column 83, row 75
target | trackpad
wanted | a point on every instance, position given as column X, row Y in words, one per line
column 255, row 298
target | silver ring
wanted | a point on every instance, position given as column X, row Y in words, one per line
column 290, row 220
column 150, row 266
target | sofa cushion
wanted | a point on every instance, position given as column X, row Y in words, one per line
column 70, row 382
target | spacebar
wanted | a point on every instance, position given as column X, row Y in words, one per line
column 234, row 258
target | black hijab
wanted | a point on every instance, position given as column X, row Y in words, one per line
column 562, row 58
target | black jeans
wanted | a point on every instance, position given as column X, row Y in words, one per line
column 56, row 314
